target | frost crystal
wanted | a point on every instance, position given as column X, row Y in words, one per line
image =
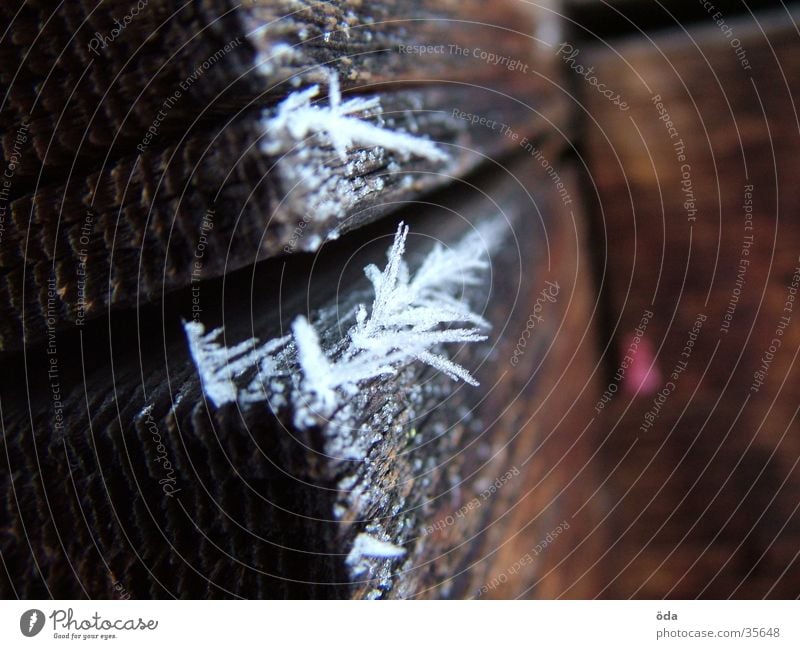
column 410, row 318
column 407, row 312
column 219, row 365
column 298, row 118
column 367, row 546
column 317, row 370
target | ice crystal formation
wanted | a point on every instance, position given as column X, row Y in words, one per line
column 328, row 186
column 366, row 547
column 411, row 318
column 298, row 119
column 218, row 365
column 321, row 378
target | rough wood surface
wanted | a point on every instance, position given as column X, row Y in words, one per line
column 263, row 509
column 115, row 198
column 216, row 202
column 85, row 106
column 125, row 480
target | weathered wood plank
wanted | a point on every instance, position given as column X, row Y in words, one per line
column 119, row 186
column 225, row 198
column 85, row 103
column 264, row 508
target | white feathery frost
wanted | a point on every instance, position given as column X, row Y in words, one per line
column 411, row 318
column 366, row 547
column 298, row 118
column 218, row 365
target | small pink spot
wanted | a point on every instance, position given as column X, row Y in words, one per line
column 642, row 375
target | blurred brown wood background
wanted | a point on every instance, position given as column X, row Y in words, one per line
column 705, row 501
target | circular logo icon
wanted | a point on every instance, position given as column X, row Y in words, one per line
column 31, row 622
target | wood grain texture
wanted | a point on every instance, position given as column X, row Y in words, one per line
column 262, row 510
column 705, row 499
column 85, row 107
column 112, row 413
column 116, row 186
column 216, row 202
